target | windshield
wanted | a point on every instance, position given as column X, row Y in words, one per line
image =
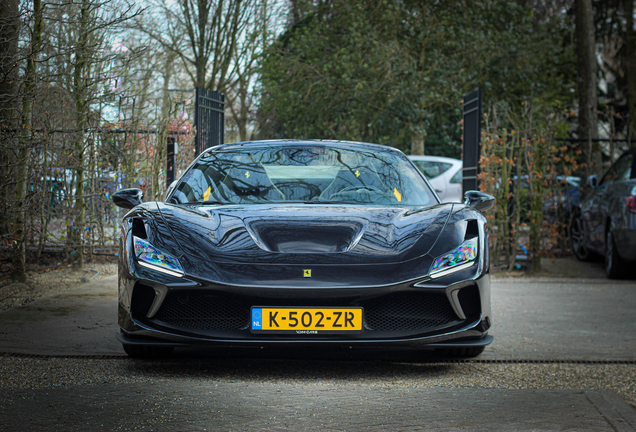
column 308, row 174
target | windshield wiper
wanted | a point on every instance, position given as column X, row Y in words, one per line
column 315, row 202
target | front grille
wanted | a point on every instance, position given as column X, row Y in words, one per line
column 405, row 311
column 190, row 311
column 408, row 311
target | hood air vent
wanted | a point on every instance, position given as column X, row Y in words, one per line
column 303, row 237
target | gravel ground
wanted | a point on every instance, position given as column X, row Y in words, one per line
column 49, row 281
column 24, row 373
column 29, row 373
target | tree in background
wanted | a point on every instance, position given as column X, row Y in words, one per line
column 241, row 98
column 344, row 71
column 10, row 23
column 25, row 141
column 587, row 80
column 394, row 72
column 64, row 58
column 92, row 106
column 616, row 40
column 203, row 34
column 369, row 70
column 629, row 55
column 217, row 44
column 86, row 59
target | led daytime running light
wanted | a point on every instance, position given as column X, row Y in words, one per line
column 460, row 258
column 151, row 257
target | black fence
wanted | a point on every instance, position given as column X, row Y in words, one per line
column 470, row 141
column 171, row 162
column 209, row 119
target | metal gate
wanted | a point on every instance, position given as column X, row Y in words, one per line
column 209, row 119
column 471, row 140
column 172, row 142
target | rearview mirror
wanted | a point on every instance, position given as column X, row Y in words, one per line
column 128, row 198
column 480, row 201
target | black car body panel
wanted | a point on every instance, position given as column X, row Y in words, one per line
column 238, row 256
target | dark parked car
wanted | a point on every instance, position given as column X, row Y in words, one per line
column 605, row 222
column 290, row 243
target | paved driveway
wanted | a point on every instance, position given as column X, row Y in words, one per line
column 556, row 319
column 81, row 320
column 534, row 319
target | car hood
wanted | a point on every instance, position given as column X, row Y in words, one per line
column 236, row 243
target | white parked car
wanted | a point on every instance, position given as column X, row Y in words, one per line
column 444, row 174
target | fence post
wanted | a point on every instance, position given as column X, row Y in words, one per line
column 170, row 175
column 209, row 119
column 471, row 137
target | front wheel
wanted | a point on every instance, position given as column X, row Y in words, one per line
column 614, row 265
column 579, row 239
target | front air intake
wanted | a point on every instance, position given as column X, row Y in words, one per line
column 191, row 311
column 408, row 311
column 141, row 301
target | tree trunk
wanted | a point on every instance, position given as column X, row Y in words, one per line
column 164, row 125
column 18, row 271
column 238, row 104
column 587, row 68
column 417, row 142
column 80, row 70
column 44, row 202
column 137, row 113
column 630, row 68
column 133, row 149
column 159, row 160
column 9, row 35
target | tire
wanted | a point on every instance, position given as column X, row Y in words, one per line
column 147, row 351
column 578, row 239
column 614, row 265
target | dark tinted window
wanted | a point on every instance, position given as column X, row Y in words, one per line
column 283, row 173
column 457, row 178
column 432, row 169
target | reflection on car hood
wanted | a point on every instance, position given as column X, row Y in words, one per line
column 296, row 234
column 232, row 243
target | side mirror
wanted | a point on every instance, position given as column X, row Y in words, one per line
column 480, row 201
column 128, row 198
column 592, row 181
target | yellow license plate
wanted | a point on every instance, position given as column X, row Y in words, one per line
column 308, row 320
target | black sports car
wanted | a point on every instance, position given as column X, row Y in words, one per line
column 303, row 242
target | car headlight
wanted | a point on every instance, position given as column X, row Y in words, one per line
column 458, row 259
column 151, row 257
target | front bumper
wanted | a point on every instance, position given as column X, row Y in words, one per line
column 449, row 312
column 470, row 342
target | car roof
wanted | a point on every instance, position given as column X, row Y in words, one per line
column 296, row 142
column 434, row 159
